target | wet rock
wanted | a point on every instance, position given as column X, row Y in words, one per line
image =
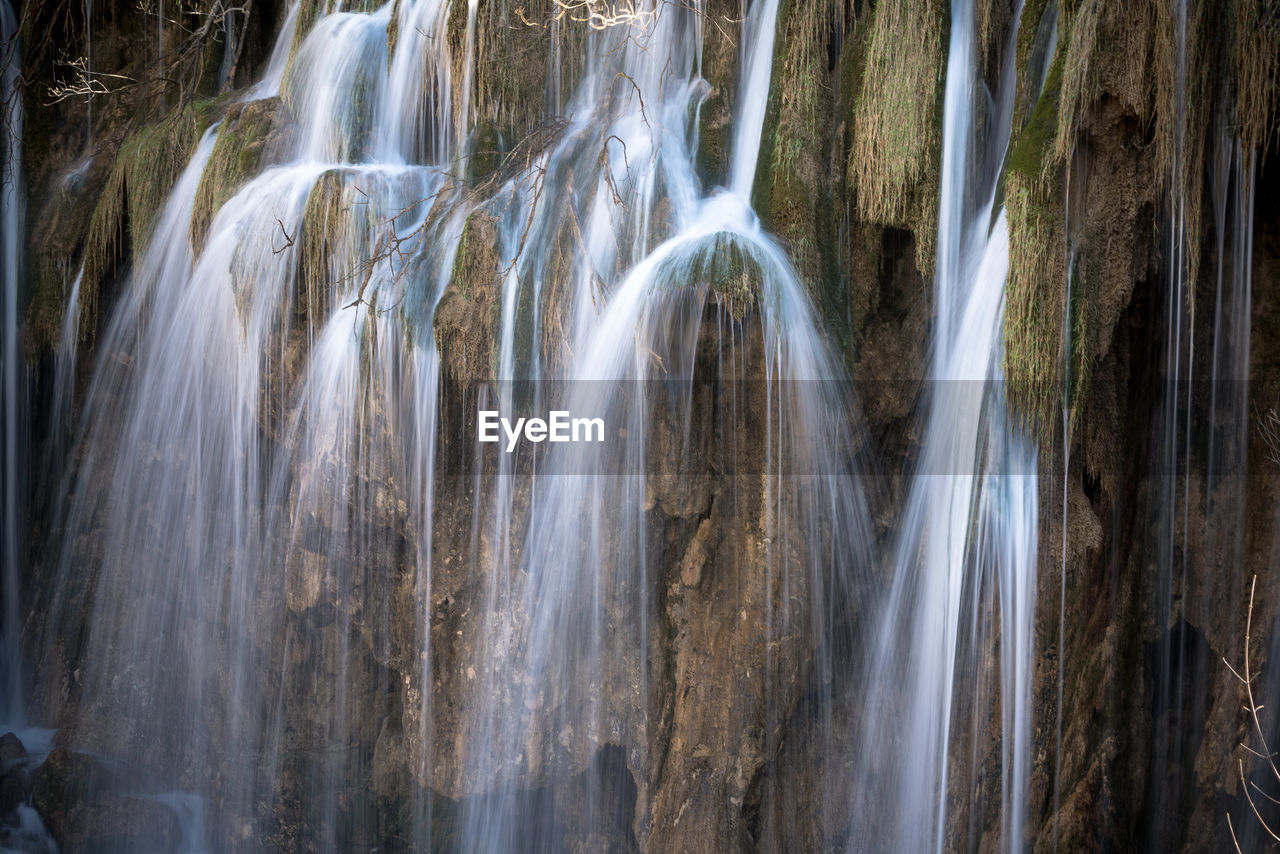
column 11, row 749
column 13, row 783
column 84, row 809
column 12, row 792
column 466, row 315
column 252, row 136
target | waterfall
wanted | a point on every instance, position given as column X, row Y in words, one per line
column 969, row 526
column 336, row 599
column 1200, row 448
column 208, row 484
column 13, row 383
column 579, row 588
column 259, row 439
column 757, row 63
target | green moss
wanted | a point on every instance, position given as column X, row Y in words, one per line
column 722, row 263
column 732, row 273
column 1033, row 13
column 486, row 151
column 249, row 136
column 319, row 237
column 1046, row 320
column 147, row 164
column 791, row 183
column 1031, row 153
column 715, row 117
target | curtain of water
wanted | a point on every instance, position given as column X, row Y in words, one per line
column 214, row 481
column 570, row 670
column 1201, row 508
column 224, row 496
column 13, row 384
column 1200, row 439
column 259, row 441
column 968, row 530
column 1174, row 654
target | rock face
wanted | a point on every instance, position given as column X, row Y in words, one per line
column 79, row 800
column 13, row 782
column 714, row 705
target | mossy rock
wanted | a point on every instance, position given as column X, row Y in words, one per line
column 466, row 316
column 724, row 263
column 146, row 166
column 1035, row 293
column 252, row 136
column 896, row 146
column 1033, row 336
column 319, row 236
column 719, row 69
column 731, row 272
column 486, row 153
column 1032, row 153
column 792, row 188
column 1257, row 72
column 512, row 53
column 1039, row 20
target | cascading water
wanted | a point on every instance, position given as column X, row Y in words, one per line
column 1200, row 448
column 13, row 391
column 580, row 587
column 209, row 336
column 221, row 484
column 270, row 435
column 968, row 530
column 1228, row 421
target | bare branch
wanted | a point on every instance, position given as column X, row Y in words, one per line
column 602, row 14
column 84, row 83
column 287, row 237
column 1269, row 428
column 1252, row 708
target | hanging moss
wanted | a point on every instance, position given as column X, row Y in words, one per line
column 512, row 56
column 1077, row 81
column 320, row 237
column 1257, row 71
column 1038, row 24
column 1033, row 329
column 252, row 136
column 146, row 167
column 897, row 139
column 791, row 187
column 1035, row 291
